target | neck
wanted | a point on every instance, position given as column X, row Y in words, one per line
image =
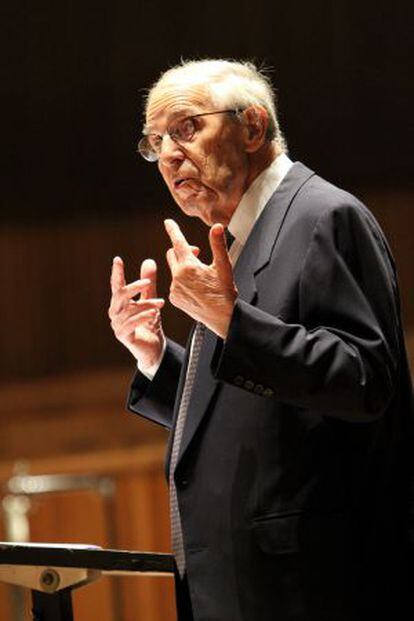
column 262, row 159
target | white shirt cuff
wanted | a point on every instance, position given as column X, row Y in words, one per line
column 150, row 372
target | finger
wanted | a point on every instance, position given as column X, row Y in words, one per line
column 117, row 312
column 138, row 286
column 149, row 271
column 181, row 246
column 117, row 317
column 117, row 275
column 150, row 303
column 219, row 250
column 122, row 296
column 135, row 321
column 195, row 250
column 171, row 260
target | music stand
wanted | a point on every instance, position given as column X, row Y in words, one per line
column 52, row 571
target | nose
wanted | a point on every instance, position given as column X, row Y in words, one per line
column 170, row 151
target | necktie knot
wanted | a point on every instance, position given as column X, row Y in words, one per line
column 229, row 237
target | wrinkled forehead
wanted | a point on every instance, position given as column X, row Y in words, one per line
column 170, row 100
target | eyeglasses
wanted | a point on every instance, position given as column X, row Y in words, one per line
column 181, row 131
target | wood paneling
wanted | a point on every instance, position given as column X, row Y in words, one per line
column 134, row 517
column 55, row 292
column 5, row 591
column 75, row 413
column 77, row 517
column 394, row 211
column 143, row 500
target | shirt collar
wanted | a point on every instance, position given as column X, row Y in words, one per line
column 256, row 196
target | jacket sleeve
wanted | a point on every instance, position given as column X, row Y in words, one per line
column 155, row 399
column 340, row 359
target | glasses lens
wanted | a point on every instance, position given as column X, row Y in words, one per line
column 184, row 130
column 150, row 145
column 147, row 150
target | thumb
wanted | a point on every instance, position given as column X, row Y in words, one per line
column 218, row 247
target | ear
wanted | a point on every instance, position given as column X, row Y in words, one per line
column 256, row 121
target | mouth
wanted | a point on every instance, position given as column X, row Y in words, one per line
column 178, row 183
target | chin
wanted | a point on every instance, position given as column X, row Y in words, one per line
column 203, row 212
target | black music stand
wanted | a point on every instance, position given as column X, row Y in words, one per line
column 52, row 571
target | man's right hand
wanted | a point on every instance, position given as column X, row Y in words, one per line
column 137, row 323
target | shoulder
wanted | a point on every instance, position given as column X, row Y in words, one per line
column 322, row 197
column 321, row 204
column 337, row 222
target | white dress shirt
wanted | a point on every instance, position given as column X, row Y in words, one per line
column 253, row 202
column 249, row 209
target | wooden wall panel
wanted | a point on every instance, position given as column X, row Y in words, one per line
column 55, row 282
column 5, row 591
column 394, row 211
column 135, row 517
column 143, row 500
column 54, row 277
column 73, row 413
column 78, row 517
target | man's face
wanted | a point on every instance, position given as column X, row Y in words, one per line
column 206, row 175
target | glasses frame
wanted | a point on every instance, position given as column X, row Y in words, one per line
column 150, row 155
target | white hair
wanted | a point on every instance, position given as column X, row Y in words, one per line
column 230, row 84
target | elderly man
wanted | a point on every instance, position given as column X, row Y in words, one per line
column 289, row 408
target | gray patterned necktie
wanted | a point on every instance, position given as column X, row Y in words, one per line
column 177, row 543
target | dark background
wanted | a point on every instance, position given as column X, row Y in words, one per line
column 74, row 193
column 76, row 72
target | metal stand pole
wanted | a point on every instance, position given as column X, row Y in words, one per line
column 52, row 606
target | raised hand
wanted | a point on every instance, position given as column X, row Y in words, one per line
column 205, row 292
column 137, row 323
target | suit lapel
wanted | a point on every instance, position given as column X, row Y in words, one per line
column 263, row 238
column 254, row 257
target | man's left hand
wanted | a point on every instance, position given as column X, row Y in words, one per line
column 205, row 292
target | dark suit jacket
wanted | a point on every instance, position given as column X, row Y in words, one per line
column 293, row 472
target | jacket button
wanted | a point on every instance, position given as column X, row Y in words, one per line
column 248, row 384
column 181, row 483
column 258, row 389
column 268, row 392
column 238, row 380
